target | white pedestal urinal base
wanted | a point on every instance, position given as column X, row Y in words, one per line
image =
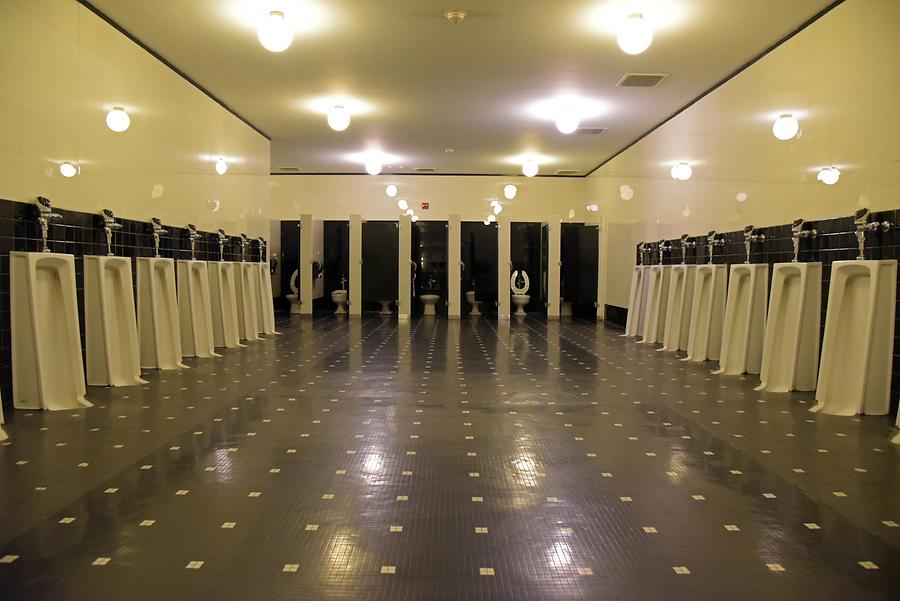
column 247, row 296
column 222, row 291
column 195, row 309
column 678, row 308
column 657, row 303
column 637, row 301
column 159, row 329
column 707, row 313
column 266, row 304
column 745, row 320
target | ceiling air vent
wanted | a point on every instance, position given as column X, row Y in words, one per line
column 567, row 172
column 641, row 80
column 425, row 170
column 590, row 131
column 290, row 169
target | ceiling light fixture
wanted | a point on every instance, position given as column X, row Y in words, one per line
column 117, row 119
column 510, row 191
column 414, row 218
column 530, row 168
column 682, row 171
column 221, row 166
column 486, row 222
column 829, row 175
column 391, row 190
column 409, row 212
column 592, row 208
column 785, row 127
column 67, row 169
column 456, row 16
column 402, row 204
column 491, row 218
column 274, row 33
column 498, row 208
column 636, row 35
column 338, row 118
column 567, row 124
column 373, row 167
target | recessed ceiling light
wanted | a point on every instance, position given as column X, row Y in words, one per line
column 741, row 196
column 567, row 124
column 567, row 110
column 274, row 33
column 373, row 167
column 785, row 127
column 456, row 16
column 117, row 119
column 510, row 191
column 391, row 190
column 530, row 168
column 635, row 34
column 829, row 175
column 338, row 118
column 67, row 169
column 449, row 150
column 682, row 171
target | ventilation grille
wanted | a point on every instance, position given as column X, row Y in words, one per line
column 424, row 169
column 289, row 169
column 641, row 80
column 590, row 131
column 567, row 172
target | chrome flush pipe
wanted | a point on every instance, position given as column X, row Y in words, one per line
column 158, row 230
column 223, row 237
column 750, row 236
column 861, row 220
column 109, row 225
column 193, row 236
column 798, row 231
column 686, row 243
column 45, row 216
column 712, row 241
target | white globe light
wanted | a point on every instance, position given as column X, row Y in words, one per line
column 593, row 208
column 785, row 127
column 402, row 204
column 492, row 218
column 391, row 190
column 567, row 124
column 221, row 166
column 682, row 172
column 636, row 34
column 742, row 196
column 117, row 119
column 498, row 208
column 486, row 222
column 68, row 170
column 530, row 168
column 686, row 212
column 494, row 202
column 829, row 176
column 414, row 218
column 626, row 192
column 274, row 33
column 510, row 191
column 338, row 118
column 410, row 212
column 373, row 167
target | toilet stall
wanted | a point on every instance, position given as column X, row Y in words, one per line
column 525, row 255
column 290, row 263
column 479, row 272
column 579, row 271
column 336, row 262
column 429, row 254
column 380, row 249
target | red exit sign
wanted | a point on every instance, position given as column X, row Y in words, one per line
column 424, row 206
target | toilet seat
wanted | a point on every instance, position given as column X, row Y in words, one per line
column 515, row 289
column 294, row 281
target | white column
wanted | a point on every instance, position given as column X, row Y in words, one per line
column 306, row 261
column 404, row 279
column 356, row 265
column 454, row 273
column 554, row 224
column 504, row 228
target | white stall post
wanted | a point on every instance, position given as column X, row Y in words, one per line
column 554, row 262
column 404, row 269
column 356, row 265
column 504, row 227
column 306, row 261
column 454, row 264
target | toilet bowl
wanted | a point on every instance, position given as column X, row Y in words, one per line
column 857, row 347
column 47, row 368
column 159, row 328
column 429, row 302
column 637, row 301
column 565, row 308
column 112, row 348
column 385, row 307
column 294, row 297
column 195, row 309
column 790, row 356
column 520, row 301
column 266, row 303
column 707, row 313
column 678, row 308
column 247, row 295
column 339, row 298
column 520, row 296
column 470, row 298
column 223, row 300
column 657, row 303
column 745, row 320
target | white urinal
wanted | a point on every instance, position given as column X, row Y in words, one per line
column 112, row 349
column 265, row 305
column 223, row 299
column 657, row 303
column 678, row 308
column 247, row 295
column 790, row 358
column 158, row 325
column 195, row 309
column 637, row 301
column 707, row 313
column 857, row 348
column 48, row 372
column 745, row 320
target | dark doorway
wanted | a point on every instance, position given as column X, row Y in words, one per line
column 429, row 253
column 336, row 259
column 525, row 255
column 380, row 253
column 579, row 271
column 479, row 257
column 290, row 260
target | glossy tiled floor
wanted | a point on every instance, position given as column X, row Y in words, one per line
column 447, row 460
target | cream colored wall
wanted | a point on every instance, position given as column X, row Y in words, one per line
column 62, row 68
column 841, row 76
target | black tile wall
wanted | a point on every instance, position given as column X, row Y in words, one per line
column 81, row 234
column 835, row 241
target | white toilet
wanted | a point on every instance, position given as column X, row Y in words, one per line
column 857, row 347
column 47, row 368
column 385, row 307
column 475, row 304
column 429, row 303
column 112, row 348
column 159, row 328
column 790, row 357
column 222, row 293
column 339, row 298
column 294, row 297
column 247, row 295
column 657, row 303
column 565, row 308
column 745, row 320
column 707, row 313
column 520, row 296
column 266, row 303
column 637, row 301
column 678, row 308
column 195, row 309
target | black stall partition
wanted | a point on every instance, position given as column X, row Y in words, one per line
column 525, row 253
column 429, row 253
column 380, row 253
column 290, row 260
column 336, row 261
column 479, row 257
column 579, row 270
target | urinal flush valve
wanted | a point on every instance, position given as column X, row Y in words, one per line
column 193, row 236
column 712, row 241
column 798, row 230
column 109, row 225
column 750, row 236
column 223, row 238
column 158, row 231
column 45, row 216
column 262, row 249
column 861, row 220
column 686, row 243
column 245, row 244
column 662, row 247
column 642, row 248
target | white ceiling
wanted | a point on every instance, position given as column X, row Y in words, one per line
column 430, row 85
